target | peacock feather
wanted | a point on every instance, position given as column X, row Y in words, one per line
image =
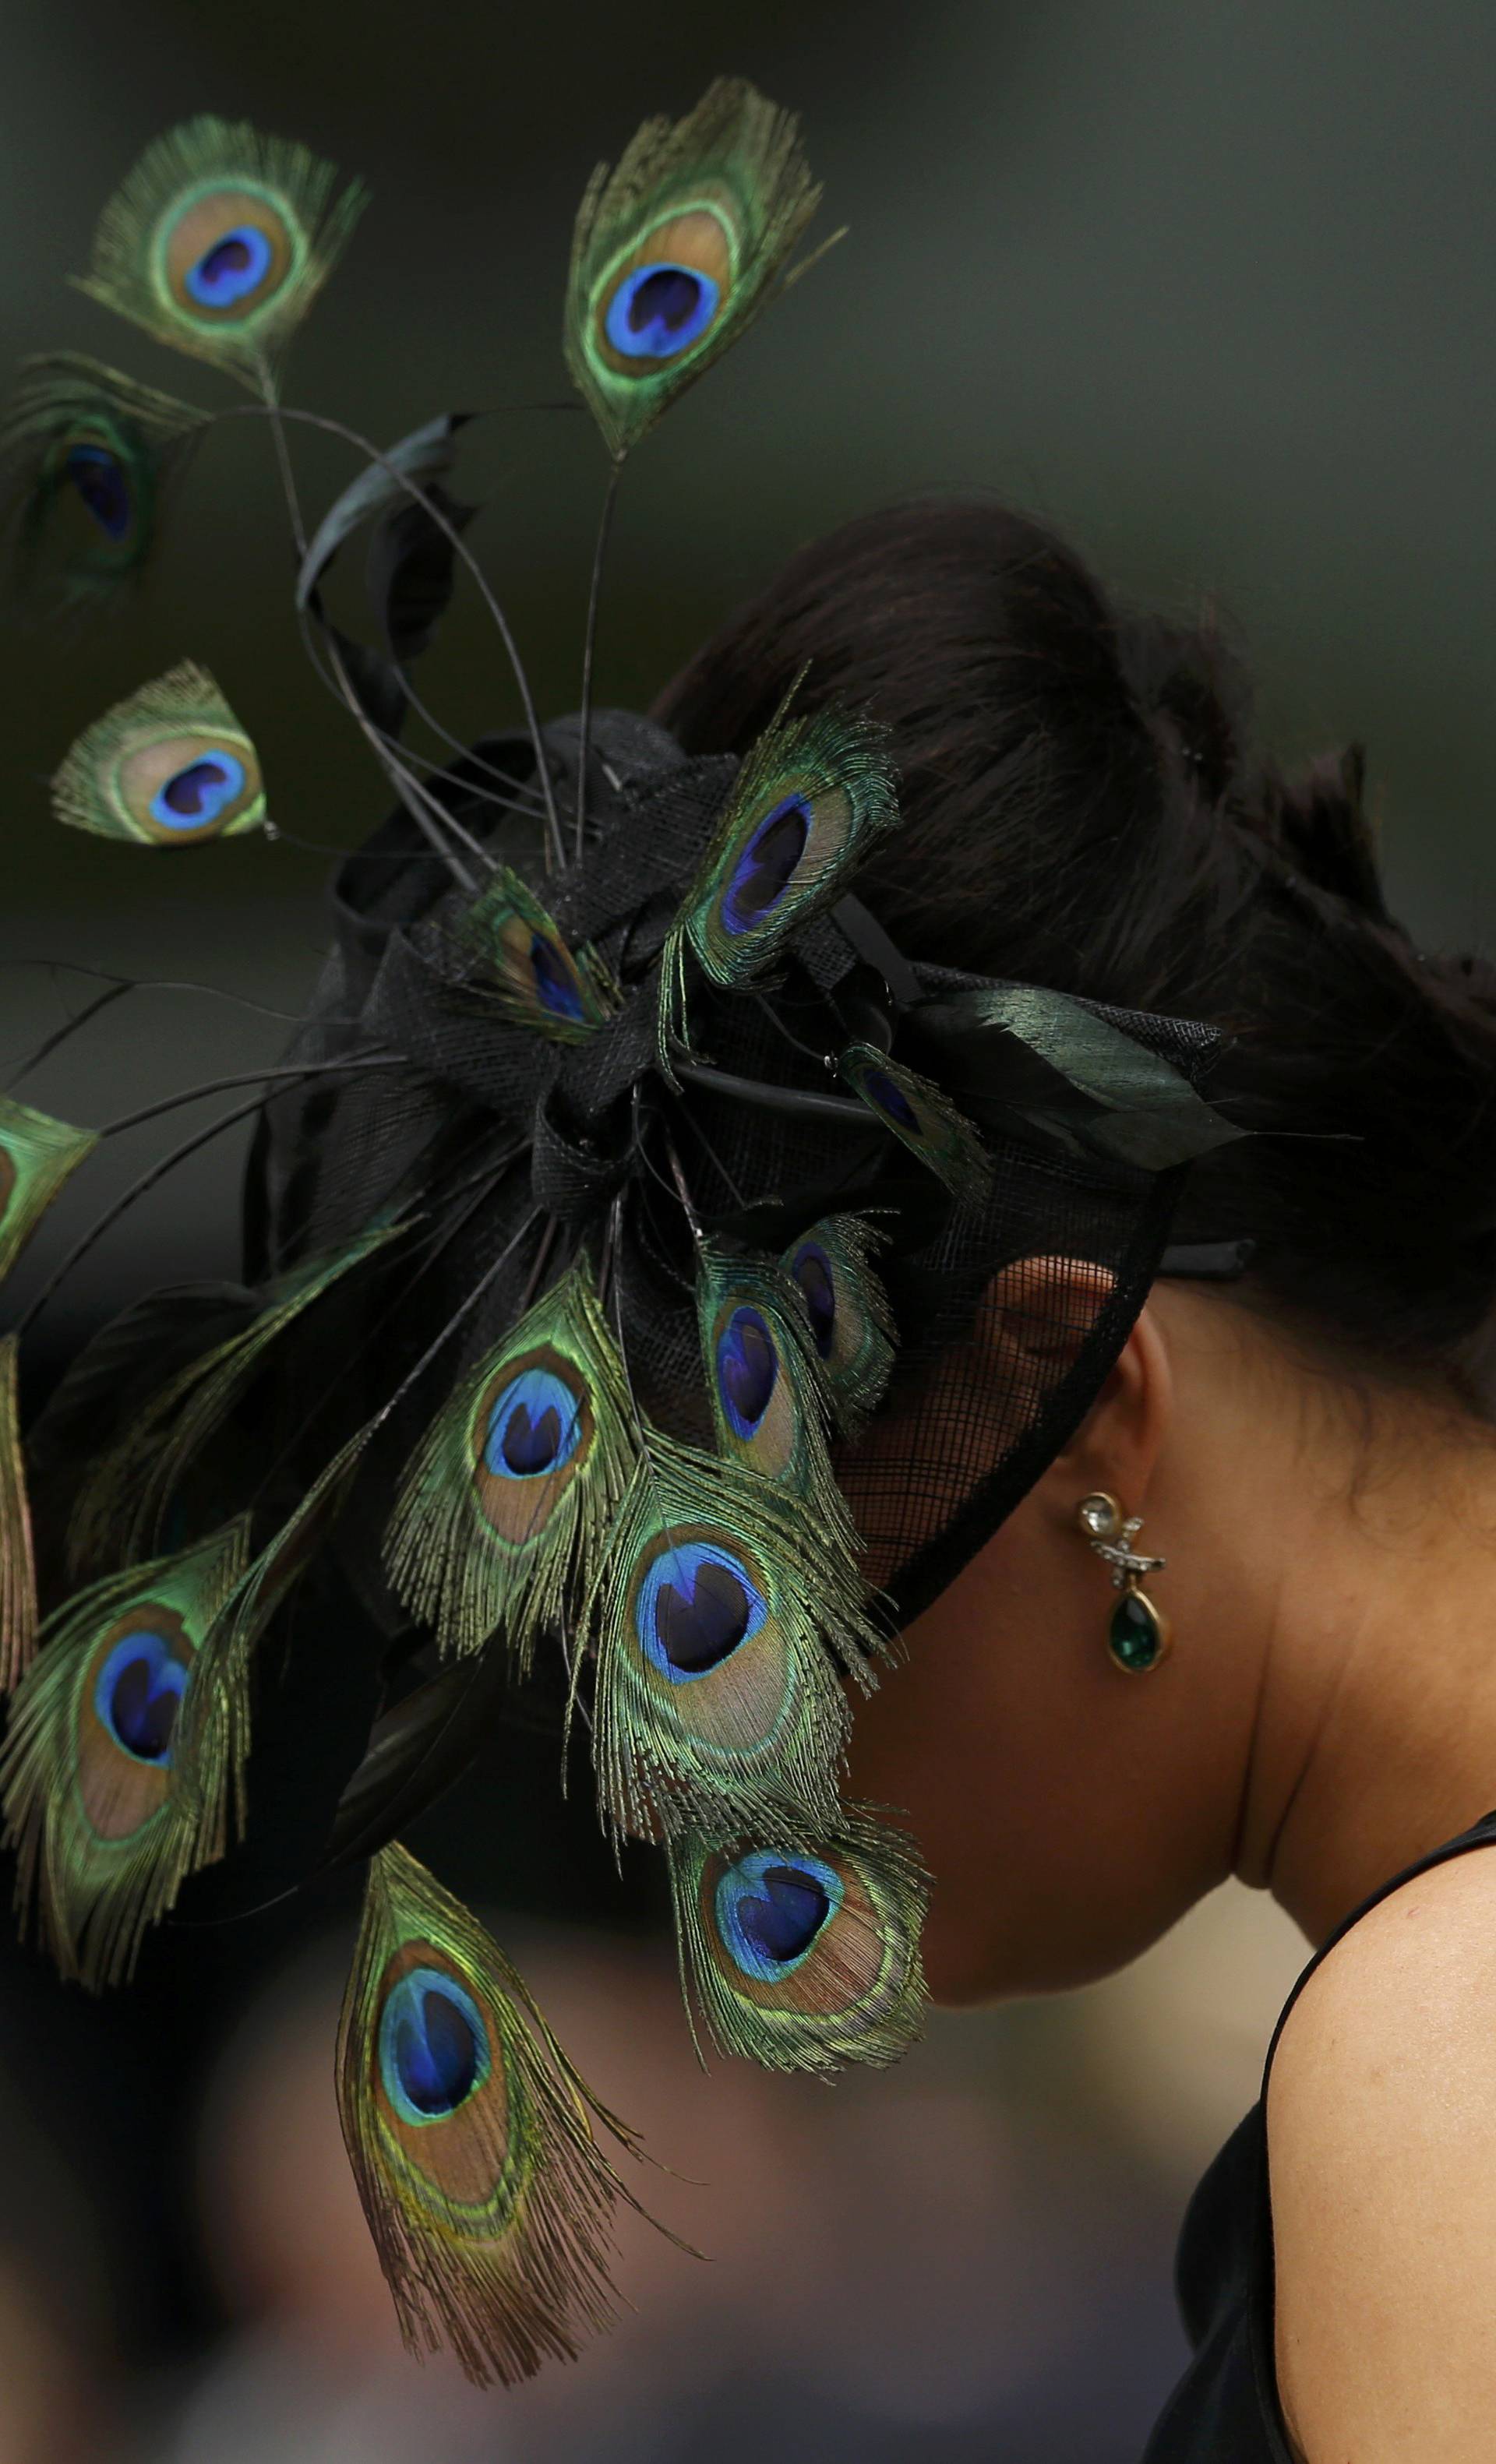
column 507, row 1503
column 469, row 2136
column 851, row 1326
column 125, row 1503
column 678, row 249
column 113, row 1791
column 721, row 1618
column 219, row 240
column 769, row 1400
column 803, row 1955
column 809, row 799
column 36, row 1154
column 526, row 967
column 18, row 1561
column 924, row 1119
column 89, row 456
column 169, row 766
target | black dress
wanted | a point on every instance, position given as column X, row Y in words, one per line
column 1226, row 2409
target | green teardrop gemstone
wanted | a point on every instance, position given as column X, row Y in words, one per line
column 1135, row 1634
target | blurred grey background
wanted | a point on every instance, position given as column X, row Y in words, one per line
column 1210, row 284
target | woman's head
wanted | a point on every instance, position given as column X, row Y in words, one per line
column 1083, row 809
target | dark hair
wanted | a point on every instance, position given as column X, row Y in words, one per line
column 1082, row 810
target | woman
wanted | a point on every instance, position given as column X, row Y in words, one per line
column 1308, row 1445
column 708, row 1196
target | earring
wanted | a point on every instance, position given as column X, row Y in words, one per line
column 1137, row 1634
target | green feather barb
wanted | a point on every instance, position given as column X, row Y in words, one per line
column 127, row 1736
column 90, row 458
column 847, row 1311
column 125, row 1505
column 470, row 2139
column 525, row 969
column 169, row 766
column 810, row 798
column 17, row 1559
column 37, row 1155
column 678, row 249
column 218, row 242
column 507, row 1502
column 919, row 1117
column 800, row 1951
column 721, row 1616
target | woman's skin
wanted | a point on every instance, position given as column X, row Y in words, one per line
column 1326, row 1715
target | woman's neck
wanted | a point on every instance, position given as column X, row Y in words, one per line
column 1375, row 1735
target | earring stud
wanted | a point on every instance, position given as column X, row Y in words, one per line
column 1137, row 1633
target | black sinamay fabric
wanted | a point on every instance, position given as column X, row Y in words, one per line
column 503, row 1143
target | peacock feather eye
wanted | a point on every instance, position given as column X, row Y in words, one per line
column 533, row 1432
column 697, row 1601
column 810, row 799
column 126, row 1738
column 803, row 1953
column 668, row 293
column 139, row 1690
column 89, row 456
column 219, row 240
column 845, row 1310
column 771, row 1909
column 99, row 477
column 677, row 250
column 721, row 1631
column 747, row 1371
column 519, row 958
column 170, row 766
column 537, row 1424
column 814, row 1275
column 769, row 1400
column 920, row 1116
column 433, row 2046
column 509, row 1498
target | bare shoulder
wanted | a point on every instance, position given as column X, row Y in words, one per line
column 1382, row 2158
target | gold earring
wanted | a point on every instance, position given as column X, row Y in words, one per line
column 1137, row 1633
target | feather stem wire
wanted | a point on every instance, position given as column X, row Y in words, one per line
column 408, row 790
column 246, row 1078
column 588, row 649
column 147, row 1181
column 278, row 413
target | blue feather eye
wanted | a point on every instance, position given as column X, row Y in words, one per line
column 230, row 268
column 226, row 253
column 533, row 1428
column 554, row 982
column 98, row 477
column 919, row 1115
column 811, row 1270
column 767, row 865
column 433, row 2047
column 695, row 1606
column 747, row 1371
column 771, row 1909
column 196, row 797
column 660, row 310
column 892, row 1101
column 137, row 1695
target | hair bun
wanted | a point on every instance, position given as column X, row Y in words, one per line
column 1194, row 693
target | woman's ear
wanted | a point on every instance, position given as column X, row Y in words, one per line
column 1039, row 1312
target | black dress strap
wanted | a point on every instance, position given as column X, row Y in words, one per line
column 1226, row 2409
